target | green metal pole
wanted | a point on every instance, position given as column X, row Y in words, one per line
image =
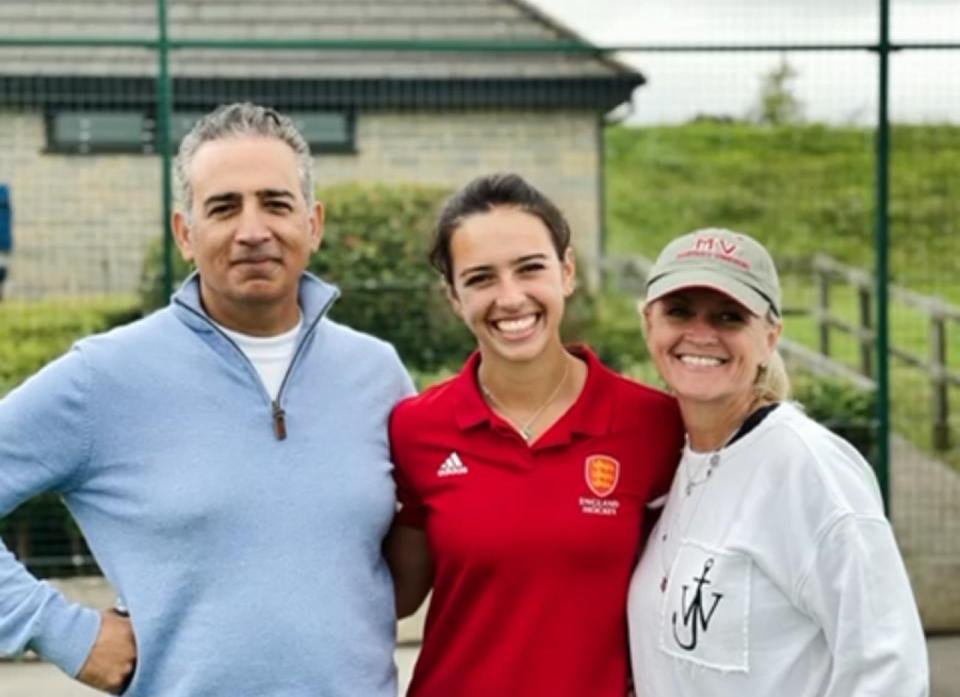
column 458, row 46
column 601, row 247
column 881, row 244
column 163, row 143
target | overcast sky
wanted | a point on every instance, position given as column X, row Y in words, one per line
column 838, row 87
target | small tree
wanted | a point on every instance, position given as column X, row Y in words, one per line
column 777, row 104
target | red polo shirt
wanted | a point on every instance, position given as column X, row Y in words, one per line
column 533, row 546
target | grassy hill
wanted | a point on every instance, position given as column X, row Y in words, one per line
column 800, row 189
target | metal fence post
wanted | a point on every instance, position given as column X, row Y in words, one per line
column 881, row 240
column 865, row 339
column 939, row 382
column 163, row 143
column 823, row 306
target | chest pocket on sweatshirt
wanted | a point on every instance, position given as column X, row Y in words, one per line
column 705, row 616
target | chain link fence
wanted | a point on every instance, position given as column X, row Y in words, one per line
column 827, row 130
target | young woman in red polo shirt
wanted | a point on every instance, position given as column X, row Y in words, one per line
column 522, row 480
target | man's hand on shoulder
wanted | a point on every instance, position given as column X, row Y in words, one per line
column 110, row 664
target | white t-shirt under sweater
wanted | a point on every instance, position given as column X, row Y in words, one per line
column 777, row 575
column 270, row 355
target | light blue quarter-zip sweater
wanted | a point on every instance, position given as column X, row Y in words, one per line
column 251, row 564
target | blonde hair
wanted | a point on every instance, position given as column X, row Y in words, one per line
column 773, row 382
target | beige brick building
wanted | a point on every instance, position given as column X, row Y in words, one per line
column 78, row 143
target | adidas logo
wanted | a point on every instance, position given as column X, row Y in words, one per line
column 453, row 465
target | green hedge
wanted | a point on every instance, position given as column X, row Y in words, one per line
column 375, row 249
column 609, row 324
column 151, row 291
column 31, row 335
column 34, row 333
column 846, row 410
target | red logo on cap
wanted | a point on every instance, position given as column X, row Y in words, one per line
column 717, row 247
column 707, row 244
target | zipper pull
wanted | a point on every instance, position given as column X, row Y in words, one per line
column 279, row 422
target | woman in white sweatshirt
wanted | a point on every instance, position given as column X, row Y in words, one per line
column 772, row 571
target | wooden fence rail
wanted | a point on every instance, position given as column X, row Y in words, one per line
column 939, row 314
column 628, row 274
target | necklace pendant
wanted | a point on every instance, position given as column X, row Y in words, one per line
column 663, row 584
column 526, row 430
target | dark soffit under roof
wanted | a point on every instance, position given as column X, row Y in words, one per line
column 600, row 94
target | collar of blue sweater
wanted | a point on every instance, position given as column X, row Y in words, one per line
column 316, row 297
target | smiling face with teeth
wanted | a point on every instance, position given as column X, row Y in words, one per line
column 509, row 286
column 708, row 348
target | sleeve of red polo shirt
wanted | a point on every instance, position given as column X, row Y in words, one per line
column 671, row 426
column 411, row 511
column 672, row 429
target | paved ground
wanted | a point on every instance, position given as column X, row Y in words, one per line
column 926, row 518
column 34, row 679
column 944, row 666
column 42, row 680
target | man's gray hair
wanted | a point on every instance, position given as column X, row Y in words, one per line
column 231, row 121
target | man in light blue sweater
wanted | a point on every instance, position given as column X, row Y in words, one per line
column 225, row 457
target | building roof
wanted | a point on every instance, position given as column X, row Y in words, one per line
column 296, row 20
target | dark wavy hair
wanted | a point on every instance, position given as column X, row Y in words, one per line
column 483, row 194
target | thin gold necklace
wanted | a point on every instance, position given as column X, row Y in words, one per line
column 525, row 429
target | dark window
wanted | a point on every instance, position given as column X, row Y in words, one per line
column 104, row 131
column 98, row 131
column 325, row 131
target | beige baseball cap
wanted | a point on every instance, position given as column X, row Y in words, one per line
column 730, row 262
